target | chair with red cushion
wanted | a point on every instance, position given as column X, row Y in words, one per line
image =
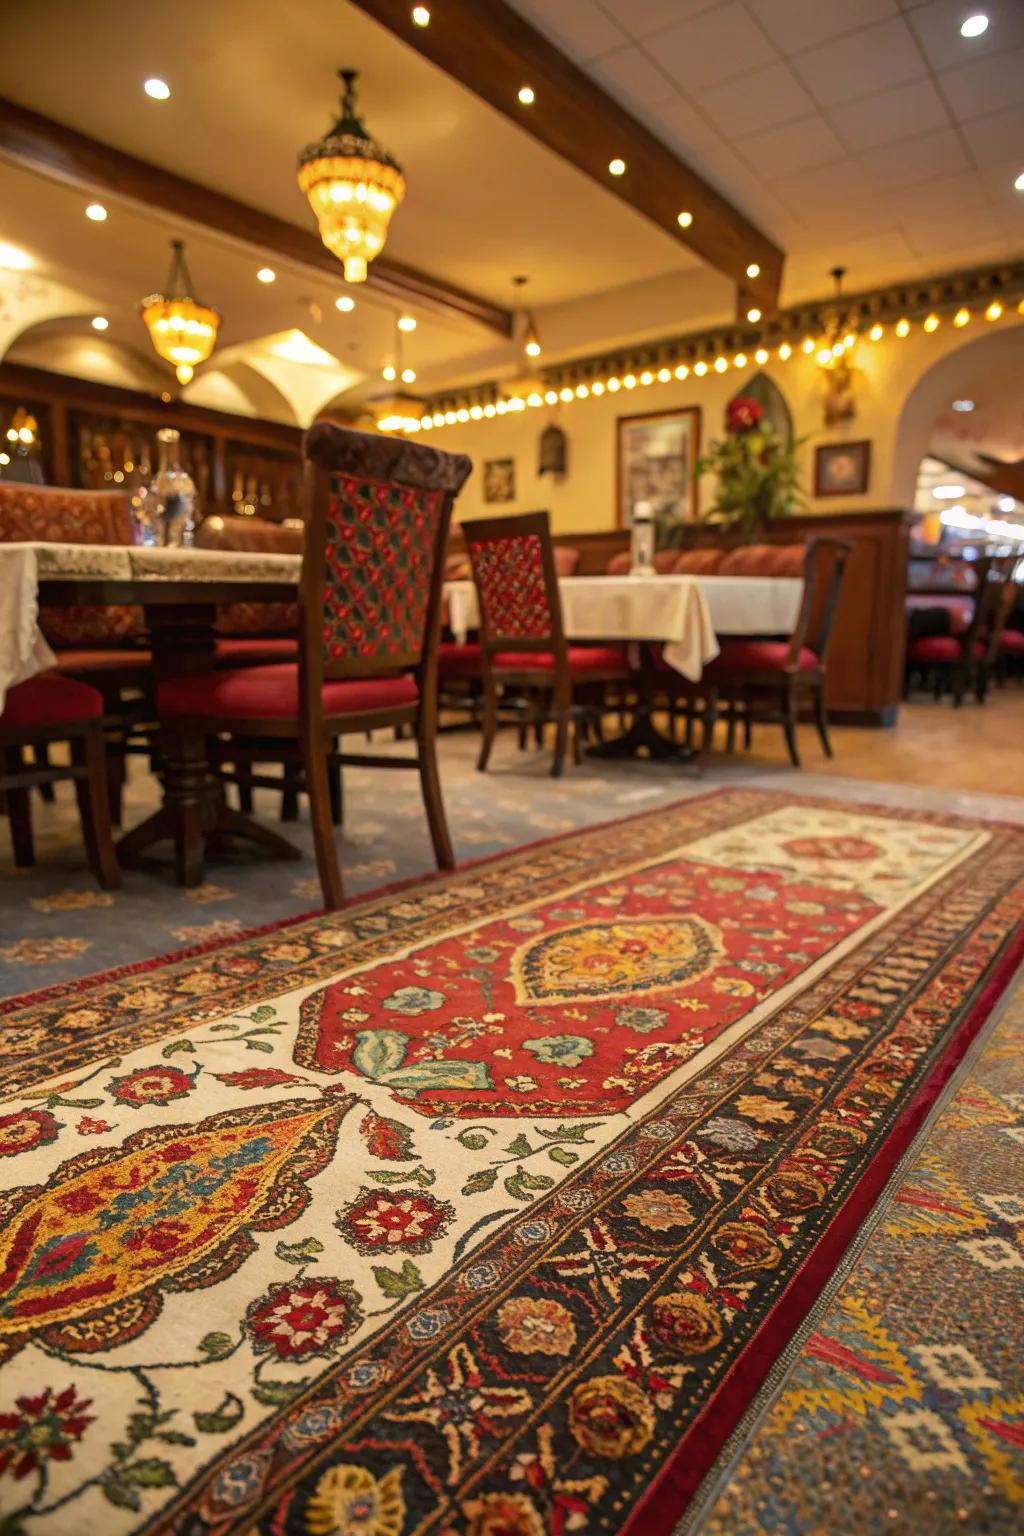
column 370, row 610
column 524, row 652
column 764, row 680
column 967, row 659
column 45, row 709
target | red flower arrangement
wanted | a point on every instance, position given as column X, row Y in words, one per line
column 742, row 414
column 754, row 467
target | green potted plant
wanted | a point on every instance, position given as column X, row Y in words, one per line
column 755, row 469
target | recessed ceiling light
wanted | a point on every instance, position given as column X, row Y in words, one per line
column 617, row 167
column 947, row 492
column 963, row 405
column 421, row 16
column 974, row 26
column 14, row 259
column 753, row 270
column 527, row 95
column 406, row 323
column 96, row 212
column 1005, row 503
column 345, row 304
column 158, row 89
column 753, row 315
column 1019, row 183
column 100, row 322
column 266, row 275
column 408, row 375
column 684, row 219
column 390, row 373
column 5, row 458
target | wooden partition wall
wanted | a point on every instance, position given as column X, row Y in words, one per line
column 98, row 437
column 865, row 678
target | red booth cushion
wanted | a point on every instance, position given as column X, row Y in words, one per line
column 104, row 661
column 582, row 659
column 759, row 656
column 50, row 699
column 459, row 660
column 251, row 651
column 252, row 693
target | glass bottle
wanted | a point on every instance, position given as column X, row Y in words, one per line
column 642, row 540
column 167, row 512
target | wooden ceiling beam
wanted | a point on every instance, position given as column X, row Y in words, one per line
column 40, row 144
column 493, row 51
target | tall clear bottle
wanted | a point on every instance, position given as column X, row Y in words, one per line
column 167, row 512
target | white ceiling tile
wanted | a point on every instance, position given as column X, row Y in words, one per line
column 945, row 232
column 796, row 146
column 890, row 115
column 985, row 86
column 959, row 196
column 936, row 25
column 683, row 129
column 861, row 64
column 817, row 188
column 912, row 161
column 796, row 24
column 629, row 75
column 758, row 100
column 998, row 137
column 581, row 28
column 712, row 47
column 641, row 17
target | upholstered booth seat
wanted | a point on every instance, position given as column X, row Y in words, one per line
column 619, row 564
column 89, row 659
column 255, row 651
column 759, row 656
column 582, row 659
column 50, row 699
column 272, row 693
column 698, row 562
column 764, row 560
column 458, row 661
column 566, row 560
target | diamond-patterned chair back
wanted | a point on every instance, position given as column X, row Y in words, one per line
column 377, row 527
column 516, row 582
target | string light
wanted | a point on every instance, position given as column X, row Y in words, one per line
column 535, row 399
column 808, row 345
column 489, row 411
column 462, row 415
column 551, row 397
column 646, row 377
column 903, row 328
column 582, row 391
column 597, row 388
column 614, row 385
column 475, row 413
column 390, row 373
column 761, row 356
column 961, row 318
column 630, row 381
column 501, row 407
column 700, row 369
column 664, row 374
column 682, row 371
column 785, row 352
column 720, row 365
column 994, row 310
column 876, row 332
column 932, row 323
column 740, row 360
column 565, row 394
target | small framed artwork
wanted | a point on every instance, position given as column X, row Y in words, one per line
column 657, row 462
column 499, row 479
column 842, row 469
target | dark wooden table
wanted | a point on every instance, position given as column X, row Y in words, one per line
column 180, row 618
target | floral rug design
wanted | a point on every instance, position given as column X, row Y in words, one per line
column 482, row 1205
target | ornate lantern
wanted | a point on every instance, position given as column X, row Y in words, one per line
column 354, row 186
column 183, row 331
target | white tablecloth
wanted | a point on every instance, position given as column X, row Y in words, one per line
column 23, row 651
column 686, row 613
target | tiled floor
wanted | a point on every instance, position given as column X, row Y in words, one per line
column 55, row 925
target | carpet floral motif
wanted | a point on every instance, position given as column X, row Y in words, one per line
column 343, row 1229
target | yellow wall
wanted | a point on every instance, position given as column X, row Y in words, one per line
column 888, row 374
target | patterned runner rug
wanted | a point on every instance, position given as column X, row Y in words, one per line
column 484, row 1205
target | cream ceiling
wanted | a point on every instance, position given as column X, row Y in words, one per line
column 866, row 132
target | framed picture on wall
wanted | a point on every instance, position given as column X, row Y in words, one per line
column 499, row 479
column 842, row 469
column 657, row 458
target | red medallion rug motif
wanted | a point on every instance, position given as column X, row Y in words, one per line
column 483, row 1205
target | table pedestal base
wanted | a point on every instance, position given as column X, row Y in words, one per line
column 643, row 736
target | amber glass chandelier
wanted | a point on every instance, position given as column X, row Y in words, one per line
column 354, row 186
column 183, row 331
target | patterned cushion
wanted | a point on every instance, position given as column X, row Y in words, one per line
column 758, row 656
column 258, row 619
column 49, row 699
column 582, row 659
column 380, row 552
column 253, row 693
column 510, row 580
column 33, row 512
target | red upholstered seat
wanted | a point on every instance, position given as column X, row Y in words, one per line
column 254, row 693
column 1011, row 642
column 939, row 650
column 458, row 660
column 104, row 661
column 759, row 656
column 251, row 651
column 50, row 699
column 582, row 659
column 619, row 565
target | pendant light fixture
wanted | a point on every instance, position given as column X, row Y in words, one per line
column 353, row 185
column 531, row 336
column 183, row 331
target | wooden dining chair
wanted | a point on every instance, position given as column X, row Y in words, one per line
column 378, row 510
column 766, row 681
column 523, row 649
column 966, row 660
column 47, row 709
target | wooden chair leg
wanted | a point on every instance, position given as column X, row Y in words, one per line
column 821, row 719
column 730, row 735
column 319, row 791
column 117, row 773
column 789, row 723
column 336, row 789
column 41, row 755
column 89, row 752
column 433, row 799
column 244, row 787
column 19, row 812
column 490, row 723
column 748, row 729
column 709, row 722
column 562, row 725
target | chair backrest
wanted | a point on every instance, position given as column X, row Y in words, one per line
column 66, row 516
column 763, row 560
column 698, row 562
column 620, row 564
column 245, row 533
column 996, row 593
column 663, row 560
column 824, row 567
column 377, row 518
column 516, row 582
